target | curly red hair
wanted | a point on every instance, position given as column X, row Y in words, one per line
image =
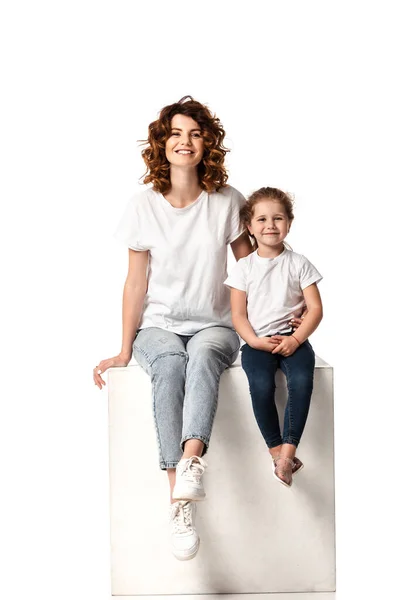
column 211, row 170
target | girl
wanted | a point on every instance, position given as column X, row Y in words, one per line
column 269, row 289
column 176, row 309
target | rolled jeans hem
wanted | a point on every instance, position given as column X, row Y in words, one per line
column 291, row 441
column 273, row 444
column 168, row 465
column 201, row 438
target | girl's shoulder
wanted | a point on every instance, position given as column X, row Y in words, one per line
column 295, row 257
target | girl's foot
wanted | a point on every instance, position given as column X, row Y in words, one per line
column 283, row 470
column 298, row 465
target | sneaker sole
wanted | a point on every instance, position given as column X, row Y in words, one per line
column 184, row 494
column 187, row 556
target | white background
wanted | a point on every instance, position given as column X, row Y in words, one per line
column 307, row 94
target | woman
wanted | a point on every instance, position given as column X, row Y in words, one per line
column 176, row 311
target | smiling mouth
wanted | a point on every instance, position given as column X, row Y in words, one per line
column 184, row 152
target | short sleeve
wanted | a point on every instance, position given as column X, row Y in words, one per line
column 130, row 228
column 237, row 279
column 234, row 228
column 308, row 273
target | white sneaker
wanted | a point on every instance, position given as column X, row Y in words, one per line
column 188, row 484
column 184, row 538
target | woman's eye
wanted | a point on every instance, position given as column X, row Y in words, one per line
column 197, row 135
column 175, row 133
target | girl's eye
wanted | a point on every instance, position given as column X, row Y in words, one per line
column 278, row 218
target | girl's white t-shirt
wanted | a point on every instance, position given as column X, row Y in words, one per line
column 187, row 257
column 274, row 289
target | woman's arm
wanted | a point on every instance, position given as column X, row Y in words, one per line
column 242, row 247
column 135, row 289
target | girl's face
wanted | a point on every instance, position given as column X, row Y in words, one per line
column 185, row 146
column 269, row 224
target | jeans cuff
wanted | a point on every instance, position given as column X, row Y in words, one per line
column 168, row 465
column 203, row 439
column 290, row 440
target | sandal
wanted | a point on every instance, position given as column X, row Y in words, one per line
column 283, row 473
column 298, row 465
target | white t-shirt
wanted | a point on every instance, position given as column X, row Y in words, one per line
column 187, row 257
column 274, row 288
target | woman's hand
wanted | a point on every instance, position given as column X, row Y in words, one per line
column 295, row 322
column 121, row 360
column 287, row 345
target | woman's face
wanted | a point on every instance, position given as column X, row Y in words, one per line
column 185, row 146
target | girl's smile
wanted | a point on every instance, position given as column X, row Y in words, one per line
column 270, row 226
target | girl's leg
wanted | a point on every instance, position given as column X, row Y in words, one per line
column 260, row 368
column 163, row 356
column 299, row 371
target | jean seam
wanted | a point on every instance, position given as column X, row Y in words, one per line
column 289, row 402
column 162, row 355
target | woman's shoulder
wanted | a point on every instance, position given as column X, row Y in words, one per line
column 230, row 197
column 228, row 191
column 143, row 196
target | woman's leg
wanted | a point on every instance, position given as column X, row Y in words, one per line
column 210, row 352
column 163, row 356
column 260, row 368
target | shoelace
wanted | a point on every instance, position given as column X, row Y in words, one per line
column 181, row 516
column 194, row 469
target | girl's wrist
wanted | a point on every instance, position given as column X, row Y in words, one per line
column 298, row 341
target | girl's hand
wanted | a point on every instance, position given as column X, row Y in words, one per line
column 121, row 360
column 287, row 345
column 267, row 344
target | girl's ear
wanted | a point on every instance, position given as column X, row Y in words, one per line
column 250, row 229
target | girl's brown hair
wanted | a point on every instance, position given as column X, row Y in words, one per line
column 211, row 170
column 265, row 193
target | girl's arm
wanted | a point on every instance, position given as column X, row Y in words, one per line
column 242, row 324
column 242, row 246
column 135, row 289
column 314, row 314
column 289, row 344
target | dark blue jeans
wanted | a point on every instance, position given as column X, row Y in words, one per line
column 260, row 368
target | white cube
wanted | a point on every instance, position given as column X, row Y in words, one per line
column 257, row 536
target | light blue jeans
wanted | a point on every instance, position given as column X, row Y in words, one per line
column 185, row 372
